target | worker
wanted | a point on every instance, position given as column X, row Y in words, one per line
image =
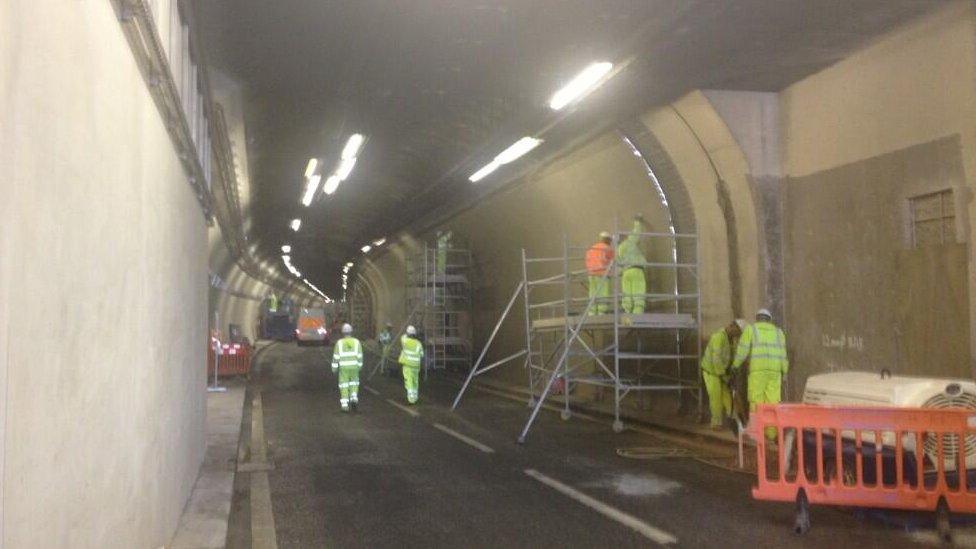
column 715, row 364
column 598, row 259
column 385, row 339
column 631, row 261
column 763, row 344
column 273, row 303
column 411, row 356
column 347, row 359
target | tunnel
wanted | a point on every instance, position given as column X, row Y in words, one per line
column 210, row 210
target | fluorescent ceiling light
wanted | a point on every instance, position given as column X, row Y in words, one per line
column 350, row 264
column 286, row 248
column 331, row 184
column 345, row 168
column 366, row 248
column 310, row 169
column 517, row 150
column 379, row 242
column 484, row 172
column 582, row 84
column 296, row 224
column 353, row 145
column 310, row 188
column 286, row 258
column 513, row 152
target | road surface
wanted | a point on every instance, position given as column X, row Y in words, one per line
column 398, row 476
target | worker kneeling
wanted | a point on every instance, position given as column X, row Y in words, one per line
column 347, row 360
column 411, row 356
column 715, row 371
column 763, row 344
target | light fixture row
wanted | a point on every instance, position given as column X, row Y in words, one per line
column 582, row 84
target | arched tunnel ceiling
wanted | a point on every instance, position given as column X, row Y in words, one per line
column 440, row 86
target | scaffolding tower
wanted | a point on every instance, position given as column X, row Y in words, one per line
column 439, row 294
column 574, row 338
column 360, row 310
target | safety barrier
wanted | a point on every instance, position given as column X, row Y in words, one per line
column 235, row 359
column 896, row 458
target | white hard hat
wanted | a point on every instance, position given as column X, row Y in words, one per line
column 411, row 331
column 604, row 234
column 741, row 323
column 347, row 328
column 765, row 313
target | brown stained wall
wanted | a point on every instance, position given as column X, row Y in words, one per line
column 857, row 296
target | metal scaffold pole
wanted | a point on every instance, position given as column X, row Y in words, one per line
column 567, row 293
column 618, row 425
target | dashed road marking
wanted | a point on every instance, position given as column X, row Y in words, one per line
column 465, row 439
column 410, row 411
column 650, row 532
column 371, row 390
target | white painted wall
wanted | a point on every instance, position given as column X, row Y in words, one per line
column 103, row 274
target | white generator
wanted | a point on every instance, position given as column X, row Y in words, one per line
column 871, row 389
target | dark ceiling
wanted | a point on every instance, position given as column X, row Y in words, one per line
column 440, row 86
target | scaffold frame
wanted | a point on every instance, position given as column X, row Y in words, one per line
column 564, row 334
column 439, row 290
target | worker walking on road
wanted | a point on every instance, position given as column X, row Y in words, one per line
column 598, row 259
column 715, row 364
column 763, row 345
column 347, row 359
column 630, row 260
column 411, row 357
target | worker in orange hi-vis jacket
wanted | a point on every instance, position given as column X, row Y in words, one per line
column 598, row 259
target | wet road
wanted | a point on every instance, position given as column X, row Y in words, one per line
column 392, row 476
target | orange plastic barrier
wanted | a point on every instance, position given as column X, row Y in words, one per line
column 235, row 359
column 895, row 458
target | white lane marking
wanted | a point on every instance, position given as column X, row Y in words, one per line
column 371, row 390
column 465, row 439
column 650, row 532
column 410, row 411
column 263, row 533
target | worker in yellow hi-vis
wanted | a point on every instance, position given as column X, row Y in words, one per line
column 631, row 261
column 715, row 364
column 411, row 357
column 347, row 360
column 763, row 344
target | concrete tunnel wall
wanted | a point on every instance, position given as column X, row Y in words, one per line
column 800, row 200
column 577, row 196
column 104, row 305
column 860, row 138
column 103, row 290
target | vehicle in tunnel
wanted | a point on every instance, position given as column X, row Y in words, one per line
column 311, row 327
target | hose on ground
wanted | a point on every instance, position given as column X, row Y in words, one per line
column 672, row 452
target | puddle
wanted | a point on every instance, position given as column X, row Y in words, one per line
column 638, row 485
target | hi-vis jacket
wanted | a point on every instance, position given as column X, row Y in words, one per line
column 412, row 352
column 348, row 353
